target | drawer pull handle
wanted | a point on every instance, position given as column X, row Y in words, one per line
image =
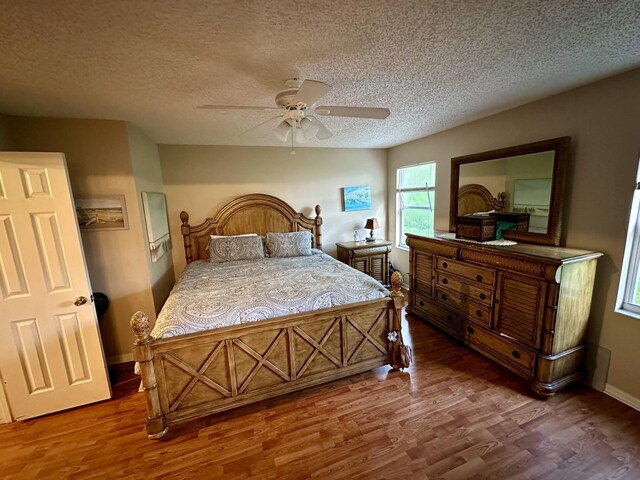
column 516, row 354
column 483, row 296
column 445, row 264
column 479, row 313
column 479, row 278
column 444, row 297
column 449, row 317
column 470, row 330
column 445, row 281
column 421, row 303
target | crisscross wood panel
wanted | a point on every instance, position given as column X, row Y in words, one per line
column 238, row 366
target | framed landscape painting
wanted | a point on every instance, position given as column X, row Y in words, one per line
column 101, row 212
column 357, row 198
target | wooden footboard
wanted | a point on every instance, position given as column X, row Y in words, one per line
column 195, row 375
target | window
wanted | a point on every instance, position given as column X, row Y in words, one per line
column 415, row 200
column 629, row 291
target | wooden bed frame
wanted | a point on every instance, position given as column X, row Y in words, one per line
column 476, row 198
column 194, row 375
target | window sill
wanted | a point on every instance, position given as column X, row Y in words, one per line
column 628, row 313
column 402, row 247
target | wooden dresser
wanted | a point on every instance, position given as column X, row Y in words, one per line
column 525, row 306
column 371, row 258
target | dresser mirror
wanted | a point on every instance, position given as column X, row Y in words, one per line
column 527, row 180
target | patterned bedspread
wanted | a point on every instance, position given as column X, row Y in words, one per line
column 213, row 295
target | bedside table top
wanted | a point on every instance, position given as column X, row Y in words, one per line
column 363, row 244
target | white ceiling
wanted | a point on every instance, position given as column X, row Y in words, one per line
column 435, row 64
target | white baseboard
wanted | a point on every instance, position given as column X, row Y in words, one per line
column 125, row 357
column 624, row 397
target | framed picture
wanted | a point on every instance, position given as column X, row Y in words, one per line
column 102, row 212
column 357, row 198
column 155, row 217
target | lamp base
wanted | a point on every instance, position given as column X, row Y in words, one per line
column 370, row 239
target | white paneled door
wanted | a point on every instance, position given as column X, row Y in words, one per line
column 51, row 355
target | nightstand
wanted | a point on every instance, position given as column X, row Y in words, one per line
column 371, row 258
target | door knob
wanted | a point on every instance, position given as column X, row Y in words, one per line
column 80, row 301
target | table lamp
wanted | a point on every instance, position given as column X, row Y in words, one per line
column 372, row 224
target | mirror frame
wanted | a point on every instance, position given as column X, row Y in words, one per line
column 561, row 147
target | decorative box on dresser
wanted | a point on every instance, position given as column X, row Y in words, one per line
column 371, row 258
column 524, row 306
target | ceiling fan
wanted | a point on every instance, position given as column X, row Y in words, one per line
column 297, row 106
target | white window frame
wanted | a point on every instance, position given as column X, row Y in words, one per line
column 399, row 203
column 631, row 260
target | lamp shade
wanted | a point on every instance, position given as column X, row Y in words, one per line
column 309, row 128
column 372, row 223
column 282, row 131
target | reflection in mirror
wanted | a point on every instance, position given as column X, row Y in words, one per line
column 523, row 185
column 518, row 184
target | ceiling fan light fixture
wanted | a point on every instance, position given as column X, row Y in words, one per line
column 282, row 131
column 309, row 129
column 300, row 136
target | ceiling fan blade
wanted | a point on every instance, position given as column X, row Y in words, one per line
column 237, row 107
column 259, row 125
column 310, row 91
column 359, row 112
column 323, row 132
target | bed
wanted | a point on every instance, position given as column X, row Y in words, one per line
column 190, row 375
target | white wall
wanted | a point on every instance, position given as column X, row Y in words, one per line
column 202, row 179
column 602, row 120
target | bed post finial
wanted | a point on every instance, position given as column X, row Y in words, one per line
column 318, row 228
column 143, row 354
column 141, row 329
column 186, row 236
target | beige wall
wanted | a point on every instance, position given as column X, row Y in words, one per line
column 201, row 179
column 148, row 177
column 99, row 163
column 602, row 120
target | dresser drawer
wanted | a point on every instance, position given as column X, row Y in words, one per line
column 504, row 349
column 437, row 315
column 473, row 290
column 477, row 313
column 481, row 275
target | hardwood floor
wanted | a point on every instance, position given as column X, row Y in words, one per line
column 452, row 415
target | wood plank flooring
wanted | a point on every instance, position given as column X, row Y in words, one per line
column 452, row 415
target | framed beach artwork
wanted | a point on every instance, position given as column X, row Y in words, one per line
column 357, row 198
column 155, row 216
column 101, row 212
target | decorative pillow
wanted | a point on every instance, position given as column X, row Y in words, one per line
column 294, row 244
column 225, row 249
column 211, row 237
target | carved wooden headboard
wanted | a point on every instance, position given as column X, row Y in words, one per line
column 476, row 198
column 254, row 213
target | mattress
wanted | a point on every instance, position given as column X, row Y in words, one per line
column 213, row 295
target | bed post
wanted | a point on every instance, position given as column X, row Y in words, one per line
column 142, row 354
column 318, row 233
column 401, row 353
column 186, row 235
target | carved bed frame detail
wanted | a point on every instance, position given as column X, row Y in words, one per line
column 191, row 376
column 255, row 213
column 476, row 198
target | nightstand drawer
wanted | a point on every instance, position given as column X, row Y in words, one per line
column 471, row 272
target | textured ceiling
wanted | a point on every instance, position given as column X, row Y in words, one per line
column 434, row 63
